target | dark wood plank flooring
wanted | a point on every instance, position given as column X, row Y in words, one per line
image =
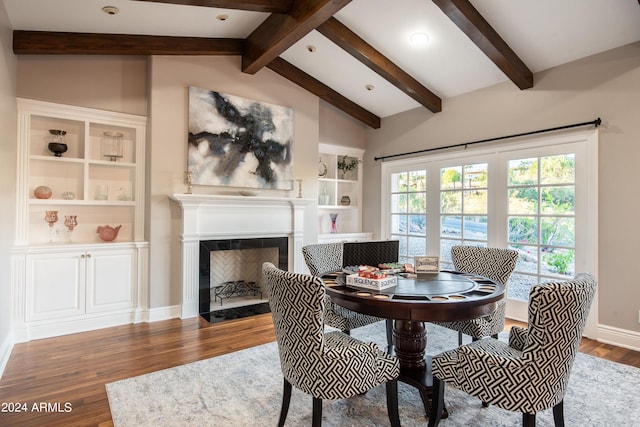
column 69, row 373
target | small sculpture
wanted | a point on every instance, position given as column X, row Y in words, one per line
column 42, row 192
column 188, row 177
column 108, row 233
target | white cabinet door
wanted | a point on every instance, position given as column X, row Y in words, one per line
column 55, row 285
column 110, row 279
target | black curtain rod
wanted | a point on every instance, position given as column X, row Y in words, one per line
column 597, row 122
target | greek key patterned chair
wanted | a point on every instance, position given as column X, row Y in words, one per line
column 329, row 365
column 530, row 373
column 323, row 259
column 495, row 264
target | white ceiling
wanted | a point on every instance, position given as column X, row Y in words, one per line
column 543, row 33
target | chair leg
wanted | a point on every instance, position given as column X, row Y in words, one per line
column 459, row 338
column 437, row 402
column 389, row 323
column 317, row 412
column 286, row 398
column 528, row 420
column 392, row 403
column 558, row 414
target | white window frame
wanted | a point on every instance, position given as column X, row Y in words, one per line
column 586, row 195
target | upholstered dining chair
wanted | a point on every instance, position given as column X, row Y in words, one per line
column 323, row 259
column 530, row 373
column 326, row 365
column 495, row 264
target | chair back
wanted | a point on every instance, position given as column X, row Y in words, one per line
column 557, row 316
column 323, row 258
column 494, row 263
column 370, row 252
column 297, row 304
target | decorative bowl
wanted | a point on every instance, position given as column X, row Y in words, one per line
column 57, row 148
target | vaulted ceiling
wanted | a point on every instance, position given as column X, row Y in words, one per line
column 354, row 54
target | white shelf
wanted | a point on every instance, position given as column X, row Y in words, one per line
column 336, row 187
column 81, row 170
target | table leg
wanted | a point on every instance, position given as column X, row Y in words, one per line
column 415, row 369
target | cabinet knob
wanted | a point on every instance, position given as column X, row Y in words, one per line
column 88, row 255
column 82, row 256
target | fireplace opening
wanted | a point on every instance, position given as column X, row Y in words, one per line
column 231, row 276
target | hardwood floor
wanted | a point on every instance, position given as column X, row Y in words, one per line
column 68, row 374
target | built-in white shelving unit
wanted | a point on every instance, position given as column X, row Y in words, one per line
column 67, row 279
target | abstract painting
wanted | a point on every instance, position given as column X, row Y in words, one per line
column 239, row 142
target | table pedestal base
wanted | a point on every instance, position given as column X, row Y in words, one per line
column 415, row 369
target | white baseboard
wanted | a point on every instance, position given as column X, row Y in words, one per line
column 5, row 351
column 162, row 313
column 619, row 337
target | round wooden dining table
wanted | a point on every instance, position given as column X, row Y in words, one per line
column 443, row 296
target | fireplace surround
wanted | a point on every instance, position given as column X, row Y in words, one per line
column 231, row 273
column 207, row 218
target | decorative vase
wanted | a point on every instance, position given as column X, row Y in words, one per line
column 70, row 221
column 42, row 192
column 108, row 233
column 345, row 200
column 57, row 145
column 112, row 145
column 334, row 217
column 323, row 198
column 51, row 217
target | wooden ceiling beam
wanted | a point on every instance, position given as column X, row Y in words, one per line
column 342, row 36
column 270, row 6
column 469, row 20
column 51, row 43
column 279, row 32
column 324, row 92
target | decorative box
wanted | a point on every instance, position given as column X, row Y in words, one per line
column 375, row 284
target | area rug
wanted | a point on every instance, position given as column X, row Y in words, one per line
column 244, row 389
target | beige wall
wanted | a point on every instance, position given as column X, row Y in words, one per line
column 605, row 85
column 337, row 128
column 111, row 83
column 7, row 179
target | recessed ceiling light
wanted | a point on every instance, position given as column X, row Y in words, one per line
column 311, row 48
column 419, row 39
column 369, row 87
column 110, row 10
column 222, row 17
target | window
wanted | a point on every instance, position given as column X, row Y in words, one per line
column 408, row 213
column 541, row 219
column 463, row 208
column 538, row 197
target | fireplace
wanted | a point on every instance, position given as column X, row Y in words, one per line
column 233, row 221
column 231, row 275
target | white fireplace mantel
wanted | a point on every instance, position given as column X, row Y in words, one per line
column 216, row 217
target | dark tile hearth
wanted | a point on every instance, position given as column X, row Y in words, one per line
column 236, row 312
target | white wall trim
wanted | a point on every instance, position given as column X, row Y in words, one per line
column 162, row 313
column 619, row 337
column 57, row 327
column 5, row 351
